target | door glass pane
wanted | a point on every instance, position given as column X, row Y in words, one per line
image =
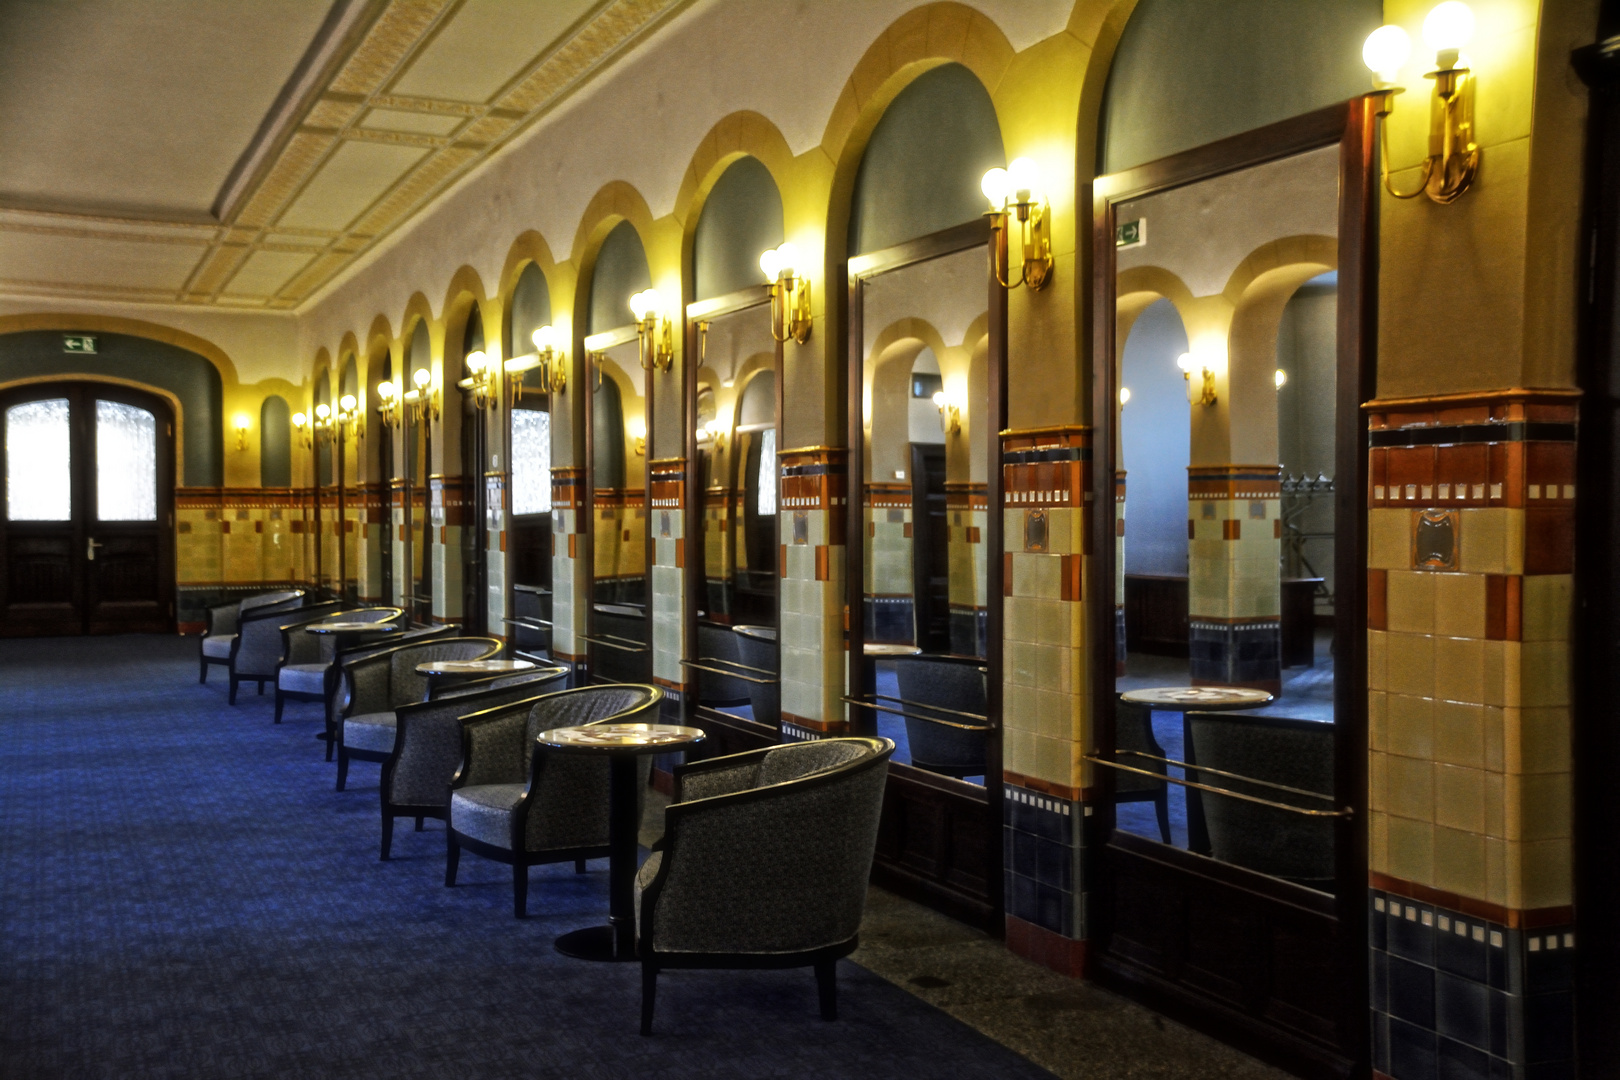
column 531, row 461
column 767, row 472
column 38, row 462
column 126, row 463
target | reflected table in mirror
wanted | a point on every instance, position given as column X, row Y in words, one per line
column 883, row 648
column 1199, row 698
column 621, row 744
column 448, row 672
column 346, row 634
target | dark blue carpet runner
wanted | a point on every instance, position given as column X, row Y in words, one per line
column 182, row 894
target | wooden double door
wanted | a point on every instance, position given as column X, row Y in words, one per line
column 87, row 534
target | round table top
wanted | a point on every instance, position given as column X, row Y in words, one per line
column 1188, row 698
column 473, row 667
column 763, row 633
column 884, row 648
column 352, row 628
column 632, row 738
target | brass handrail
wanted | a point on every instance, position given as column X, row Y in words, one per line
column 1231, row 775
column 936, row 708
column 1346, row 812
column 622, row 648
column 529, row 624
column 728, row 674
column 926, row 719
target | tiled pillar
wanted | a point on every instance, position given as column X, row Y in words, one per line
column 494, row 536
column 568, row 578
column 396, row 521
column 719, row 511
column 814, row 503
column 965, row 513
column 1047, row 508
column 887, row 604
column 1234, row 582
column 372, row 520
column 666, row 483
column 447, row 517
column 1471, row 543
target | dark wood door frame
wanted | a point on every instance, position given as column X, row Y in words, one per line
column 85, row 615
column 1352, row 127
column 916, row 860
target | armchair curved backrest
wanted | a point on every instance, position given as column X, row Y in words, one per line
column 384, row 680
column 541, row 680
column 756, row 646
column 299, row 647
column 258, row 637
column 941, row 739
column 767, row 852
column 271, row 599
column 717, row 648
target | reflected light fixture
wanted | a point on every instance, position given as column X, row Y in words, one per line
column 349, row 415
column 1015, row 192
column 950, row 415
column 1453, row 158
column 550, row 361
column 242, row 425
column 790, row 293
column 654, row 332
column 483, row 379
column 389, row 404
column 300, row 423
column 717, row 434
column 1124, row 396
column 1186, row 362
column 1281, row 378
column 638, row 432
column 422, row 398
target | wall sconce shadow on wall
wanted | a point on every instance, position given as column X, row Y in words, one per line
column 790, row 294
column 1014, row 192
column 1453, row 158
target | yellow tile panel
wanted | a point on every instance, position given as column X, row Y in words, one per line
column 1411, row 602
column 1459, row 862
column 1411, row 725
column 1410, row 663
column 1459, row 799
column 1411, row 788
column 1459, row 604
column 1459, row 734
column 1547, row 606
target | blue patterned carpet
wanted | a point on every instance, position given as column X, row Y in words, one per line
column 182, row 894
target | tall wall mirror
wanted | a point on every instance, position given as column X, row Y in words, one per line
column 734, row 413
column 618, row 621
column 926, row 408
column 528, row 456
column 1230, row 432
column 417, row 441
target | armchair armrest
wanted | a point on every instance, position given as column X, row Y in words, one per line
column 222, row 620
column 492, row 749
column 718, row 776
column 299, row 646
column 367, row 679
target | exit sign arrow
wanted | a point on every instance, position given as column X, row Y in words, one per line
column 78, row 343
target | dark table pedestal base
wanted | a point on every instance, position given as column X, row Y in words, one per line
column 593, row 943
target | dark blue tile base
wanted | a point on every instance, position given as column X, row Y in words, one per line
column 889, row 618
column 1041, row 860
column 1245, row 653
column 1458, row 998
column 969, row 631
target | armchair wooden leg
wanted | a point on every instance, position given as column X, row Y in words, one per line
column 343, row 767
column 520, row 886
column 232, row 696
column 387, row 834
column 261, row 688
column 1161, row 806
column 418, row 822
column 280, row 701
column 579, row 866
column 452, row 858
column 827, row 988
column 331, row 741
column 649, row 991
column 202, row 676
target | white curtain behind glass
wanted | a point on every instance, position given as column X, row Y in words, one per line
column 126, row 463
column 767, row 472
column 531, row 462
column 39, row 466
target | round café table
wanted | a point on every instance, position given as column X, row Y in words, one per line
column 1197, row 698
column 346, row 634
column 886, row 648
column 446, row 672
column 621, row 744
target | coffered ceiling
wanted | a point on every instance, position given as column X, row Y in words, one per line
column 241, row 153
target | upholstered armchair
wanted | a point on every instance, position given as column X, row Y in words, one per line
column 220, row 637
column 764, row 863
column 306, row 668
column 514, row 802
column 756, row 645
column 257, row 649
column 946, row 712
column 337, row 692
column 1133, row 731
column 427, row 743
column 384, row 681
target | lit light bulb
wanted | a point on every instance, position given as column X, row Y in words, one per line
column 386, row 391
column 1124, row 395
column 1446, row 29
column 545, row 338
column 421, row 378
column 642, row 303
column 939, row 399
column 242, row 422
column 994, row 186
column 1385, row 53
column 300, row 420
column 770, row 263
column 1185, row 362
column 1023, row 177
column 1281, row 378
column 638, row 429
column 476, row 362
column 322, row 412
column 787, row 257
column 347, row 402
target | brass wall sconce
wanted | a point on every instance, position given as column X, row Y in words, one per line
column 242, row 425
column 551, row 363
column 1185, row 362
column 1453, row 158
column 1124, row 396
column 790, row 294
column 717, row 435
column 349, row 416
column 638, row 432
column 423, row 400
column 390, row 405
column 302, row 430
column 654, row 331
column 950, row 414
column 1014, row 192
column 483, row 379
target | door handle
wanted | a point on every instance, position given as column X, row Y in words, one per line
column 90, row 549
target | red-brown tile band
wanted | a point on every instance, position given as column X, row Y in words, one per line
column 1378, row 599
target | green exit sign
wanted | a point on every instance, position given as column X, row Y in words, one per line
column 1131, row 233
column 78, row 343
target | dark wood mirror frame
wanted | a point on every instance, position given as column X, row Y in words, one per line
column 940, row 840
column 1120, row 865
column 730, row 734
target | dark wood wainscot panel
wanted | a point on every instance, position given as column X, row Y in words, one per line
column 937, row 845
column 1216, row 945
column 733, row 734
column 1156, row 614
